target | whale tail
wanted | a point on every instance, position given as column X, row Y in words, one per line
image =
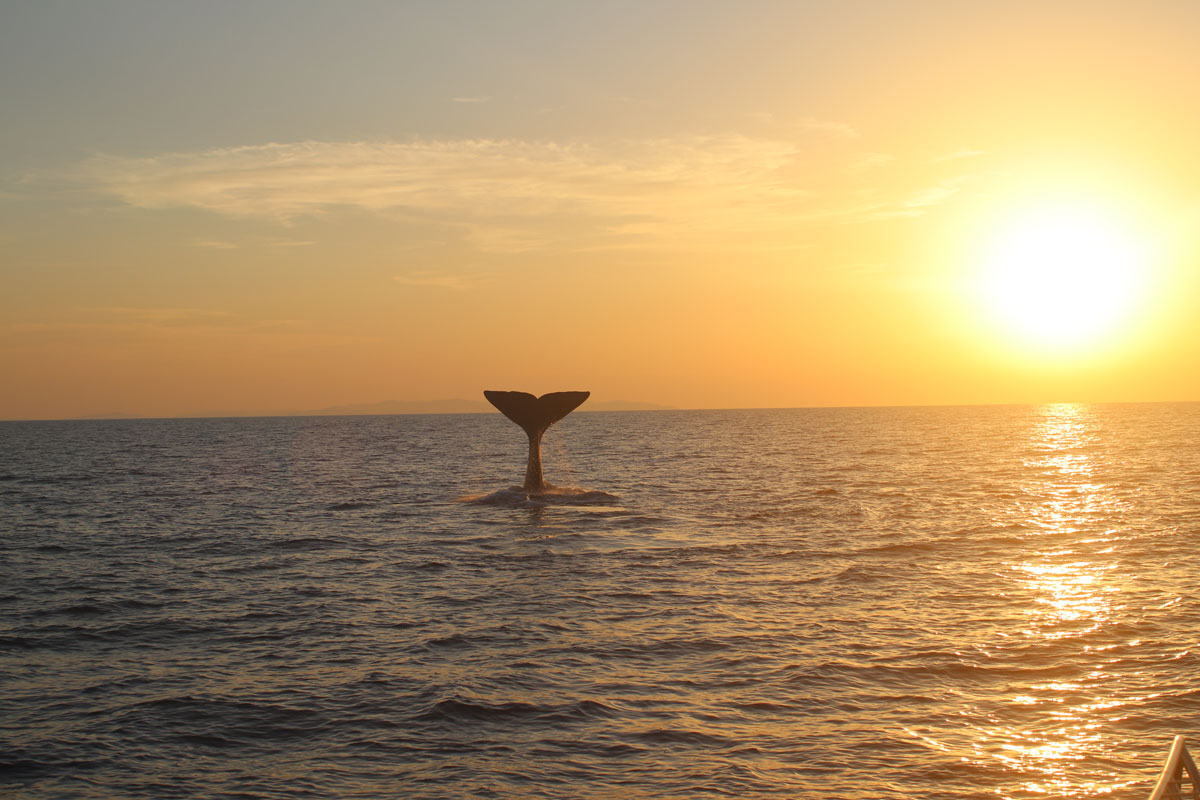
column 535, row 415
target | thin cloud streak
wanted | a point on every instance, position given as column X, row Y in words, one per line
column 166, row 315
column 829, row 126
column 163, row 320
column 514, row 195
column 441, row 280
column 960, row 154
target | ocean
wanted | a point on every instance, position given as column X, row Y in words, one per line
column 955, row 602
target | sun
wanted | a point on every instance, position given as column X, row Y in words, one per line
column 1062, row 277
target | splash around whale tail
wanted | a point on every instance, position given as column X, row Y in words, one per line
column 536, row 413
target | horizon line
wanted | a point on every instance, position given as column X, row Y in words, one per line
column 136, row 418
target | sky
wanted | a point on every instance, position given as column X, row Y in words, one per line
column 257, row 207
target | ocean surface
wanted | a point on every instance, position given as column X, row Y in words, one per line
column 960, row 602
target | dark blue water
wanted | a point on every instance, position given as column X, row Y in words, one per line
column 993, row 602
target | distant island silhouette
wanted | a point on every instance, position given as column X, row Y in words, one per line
column 460, row 406
column 440, row 406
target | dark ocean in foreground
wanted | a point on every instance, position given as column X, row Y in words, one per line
column 971, row 602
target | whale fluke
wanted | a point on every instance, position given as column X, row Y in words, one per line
column 535, row 415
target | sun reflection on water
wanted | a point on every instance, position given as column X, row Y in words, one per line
column 1069, row 581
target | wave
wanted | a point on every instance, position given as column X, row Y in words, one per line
column 670, row 736
column 517, row 497
column 304, row 543
column 715, row 633
column 457, row 709
column 225, row 721
column 75, row 610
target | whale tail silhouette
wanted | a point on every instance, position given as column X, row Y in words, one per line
column 535, row 415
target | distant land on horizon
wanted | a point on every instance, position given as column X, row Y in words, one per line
column 460, row 406
column 451, row 405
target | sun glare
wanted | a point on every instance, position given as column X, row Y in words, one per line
column 1063, row 277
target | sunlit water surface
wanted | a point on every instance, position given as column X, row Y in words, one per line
column 853, row 603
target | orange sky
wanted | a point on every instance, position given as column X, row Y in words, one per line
column 292, row 206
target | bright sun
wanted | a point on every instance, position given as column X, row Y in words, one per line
column 1063, row 277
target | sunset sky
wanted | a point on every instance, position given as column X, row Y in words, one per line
column 255, row 207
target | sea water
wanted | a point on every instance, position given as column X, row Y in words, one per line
column 967, row 602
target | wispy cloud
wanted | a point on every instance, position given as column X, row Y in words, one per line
column 164, row 315
column 808, row 124
column 869, row 161
column 220, row 244
column 441, row 280
column 919, row 202
column 829, row 126
column 931, row 196
column 514, row 195
column 959, row 154
column 939, row 192
column 469, row 99
column 159, row 319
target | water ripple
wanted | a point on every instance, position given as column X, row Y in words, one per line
column 852, row 603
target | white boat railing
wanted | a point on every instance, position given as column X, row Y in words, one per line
column 1180, row 780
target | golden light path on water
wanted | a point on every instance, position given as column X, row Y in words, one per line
column 1071, row 575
